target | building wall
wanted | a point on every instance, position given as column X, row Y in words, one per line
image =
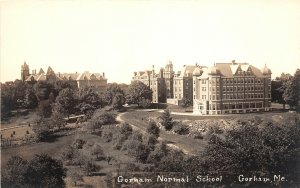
column 218, row 95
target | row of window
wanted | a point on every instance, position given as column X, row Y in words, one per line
column 232, row 88
column 235, row 96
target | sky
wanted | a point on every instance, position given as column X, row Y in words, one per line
column 120, row 37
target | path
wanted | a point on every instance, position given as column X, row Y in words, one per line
column 143, row 130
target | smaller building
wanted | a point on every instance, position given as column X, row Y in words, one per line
column 155, row 82
column 96, row 81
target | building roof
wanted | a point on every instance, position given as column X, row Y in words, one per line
column 187, row 71
column 231, row 69
column 41, row 71
column 68, row 76
column 90, row 76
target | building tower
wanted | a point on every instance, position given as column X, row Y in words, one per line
column 169, row 75
column 24, row 71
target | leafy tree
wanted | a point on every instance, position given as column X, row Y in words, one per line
column 65, row 102
column 126, row 129
column 138, row 91
column 118, row 101
column 43, row 89
column 185, row 102
column 44, row 171
column 42, row 129
column 111, row 91
column 30, row 100
column 101, row 118
column 278, row 87
column 90, row 167
column 145, row 103
column 292, row 91
column 166, row 120
column 7, row 100
column 75, row 176
column 290, row 95
column 57, row 119
column 153, row 129
column 97, row 150
column 13, row 173
column 44, row 109
column 136, row 148
column 274, row 149
column 69, row 153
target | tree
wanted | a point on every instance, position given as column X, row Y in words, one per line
column 185, row 102
column 30, row 100
column 44, row 171
column 101, row 118
column 75, row 176
column 166, row 120
column 88, row 101
column 57, row 119
column 43, row 89
column 44, row 109
column 274, row 149
column 292, row 91
column 145, row 103
column 42, row 129
column 111, row 91
column 69, row 153
column 153, row 129
column 13, row 174
column 65, row 102
column 138, row 91
column 278, row 87
column 90, row 167
column 118, row 101
column 97, row 150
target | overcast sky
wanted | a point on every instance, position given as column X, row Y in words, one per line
column 120, row 37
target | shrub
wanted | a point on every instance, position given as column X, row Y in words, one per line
column 166, row 120
column 97, row 151
column 198, row 136
column 90, row 167
column 78, row 143
column 181, row 129
column 153, row 129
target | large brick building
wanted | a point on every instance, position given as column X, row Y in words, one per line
column 231, row 88
column 160, row 83
column 96, row 81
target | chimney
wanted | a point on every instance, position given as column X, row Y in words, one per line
column 103, row 74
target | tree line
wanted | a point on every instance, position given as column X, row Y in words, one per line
column 65, row 98
column 286, row 90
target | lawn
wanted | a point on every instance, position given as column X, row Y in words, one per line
column 140, row 120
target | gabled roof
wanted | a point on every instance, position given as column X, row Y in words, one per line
column 87, row 76
column 31, row 78
column 41, row 71
column 230, row 69
column 187, row 71
column 50, row 71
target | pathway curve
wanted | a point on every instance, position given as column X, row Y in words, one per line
column 161, row 137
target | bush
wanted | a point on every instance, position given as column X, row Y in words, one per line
column 101, row 118
column 90, row 167
column 166, row 120
column 78, row 143
column 198, row 136
column 181, row 129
